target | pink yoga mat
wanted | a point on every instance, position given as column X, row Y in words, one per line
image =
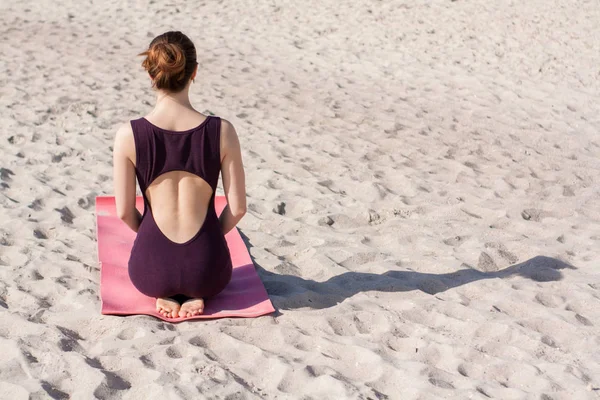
column 245, row 296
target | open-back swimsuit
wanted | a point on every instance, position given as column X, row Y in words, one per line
column 158, row 266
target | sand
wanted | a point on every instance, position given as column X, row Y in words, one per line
column 422, row 182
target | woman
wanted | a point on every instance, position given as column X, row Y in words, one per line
column 176, row 154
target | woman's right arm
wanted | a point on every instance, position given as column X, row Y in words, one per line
column 234, row 181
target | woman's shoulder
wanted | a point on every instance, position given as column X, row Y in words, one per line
column 124, row 134
column 124, row 130
column 229, row 137
column 124, row 140
column 226, row 126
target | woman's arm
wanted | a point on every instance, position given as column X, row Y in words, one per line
column 234, row 181
column 124, row 177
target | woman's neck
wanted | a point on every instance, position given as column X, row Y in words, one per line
column 172, row 101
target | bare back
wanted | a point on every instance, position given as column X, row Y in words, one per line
column 179, row 199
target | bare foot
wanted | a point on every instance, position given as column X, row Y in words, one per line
column 167, row 307
column 191, row 307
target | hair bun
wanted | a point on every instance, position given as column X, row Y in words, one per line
column 170, row 61
column 169, row 58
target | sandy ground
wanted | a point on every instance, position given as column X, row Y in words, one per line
column 423, row 196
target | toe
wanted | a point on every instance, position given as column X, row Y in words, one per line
column 167, row 307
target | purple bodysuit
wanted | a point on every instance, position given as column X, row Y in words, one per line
column 159, row 267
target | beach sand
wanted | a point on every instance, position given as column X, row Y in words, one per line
column 423, row 199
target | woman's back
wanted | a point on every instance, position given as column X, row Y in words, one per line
column 180, row 247
column 179, row 171
column 176, row 154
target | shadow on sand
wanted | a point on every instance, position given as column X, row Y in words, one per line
column 290, row 291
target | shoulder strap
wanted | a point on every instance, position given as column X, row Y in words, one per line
column 143, row 153
column 217, row 139
column 212, row 154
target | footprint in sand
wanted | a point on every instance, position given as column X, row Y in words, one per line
column 39, row 234
column 486, row 263
column 145, row 359
column 172, row 352
column 53, row 392
column 65, row 214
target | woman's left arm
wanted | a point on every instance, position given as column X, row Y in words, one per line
column 124, row 177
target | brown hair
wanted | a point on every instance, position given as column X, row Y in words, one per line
column 170, row 61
